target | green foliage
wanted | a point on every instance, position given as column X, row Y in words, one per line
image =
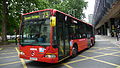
column 0, row 22
column 72, row 7
column 18, row 7
column 15, row 9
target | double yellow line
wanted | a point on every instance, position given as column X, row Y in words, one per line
column 22, row 60
column 93, row 58
column 10, row 63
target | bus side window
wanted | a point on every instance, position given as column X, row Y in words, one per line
column 88, row 35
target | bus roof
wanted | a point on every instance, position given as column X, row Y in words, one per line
column 37, row 11
column 57, row 11
column 73, row 17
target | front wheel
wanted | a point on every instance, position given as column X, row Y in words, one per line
column 74, row 51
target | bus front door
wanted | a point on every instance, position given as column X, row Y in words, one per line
column 63, row 40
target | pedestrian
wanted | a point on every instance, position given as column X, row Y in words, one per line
column 118, row 36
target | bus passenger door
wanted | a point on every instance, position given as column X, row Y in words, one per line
column 66, row 39
column 62, row 39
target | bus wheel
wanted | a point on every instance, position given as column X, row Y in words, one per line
column 92, row 43
column 74, row 51
column 89, row 45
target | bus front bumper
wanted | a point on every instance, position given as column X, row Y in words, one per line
column 43, row 59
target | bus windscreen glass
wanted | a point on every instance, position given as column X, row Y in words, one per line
column 35, row 30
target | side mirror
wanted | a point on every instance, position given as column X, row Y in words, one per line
column 53, row 21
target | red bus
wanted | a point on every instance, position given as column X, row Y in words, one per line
column 51, row 36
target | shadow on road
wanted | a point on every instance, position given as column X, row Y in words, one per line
column 37, row 64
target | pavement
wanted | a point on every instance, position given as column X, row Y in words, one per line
column 105, row 54
column 108, row 38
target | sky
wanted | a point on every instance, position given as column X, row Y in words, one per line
column 90, row 8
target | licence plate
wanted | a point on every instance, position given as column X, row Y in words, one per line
column 31, row 58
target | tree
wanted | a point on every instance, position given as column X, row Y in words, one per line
column 4, row 20
column 72, row 7
column 12, row 9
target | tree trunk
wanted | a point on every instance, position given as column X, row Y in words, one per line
column 4, row 20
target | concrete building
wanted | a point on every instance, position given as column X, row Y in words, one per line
column 90, row 18
column 106, row 17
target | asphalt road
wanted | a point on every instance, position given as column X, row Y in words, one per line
column 103, row 55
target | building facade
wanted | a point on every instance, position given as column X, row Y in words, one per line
column 106, row 17
column 90, row 18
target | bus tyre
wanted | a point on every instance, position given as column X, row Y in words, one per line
column 74, row 51
column 89, row 45
column 92, row 43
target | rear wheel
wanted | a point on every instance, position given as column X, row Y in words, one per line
column 92, row 43
column 74, row 51
column 89, row 45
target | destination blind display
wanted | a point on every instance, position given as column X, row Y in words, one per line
column 37, row 16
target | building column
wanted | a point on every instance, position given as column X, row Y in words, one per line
column 117, row 25
column 103, row 26
column 102, row 30
column 113, row 32
column 105, row 29
column 109, row 28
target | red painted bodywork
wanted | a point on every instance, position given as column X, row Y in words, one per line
column 92, row 39
column 39, row 55
column 48, row 50
column 82, row 44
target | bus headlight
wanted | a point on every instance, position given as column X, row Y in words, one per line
column 50, row 56
column 22, row 53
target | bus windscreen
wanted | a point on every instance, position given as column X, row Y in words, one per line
column 35, row 29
